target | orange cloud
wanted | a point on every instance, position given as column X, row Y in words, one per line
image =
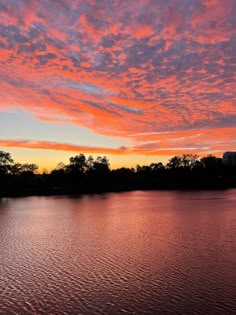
column 202, row 142
column 55, row 146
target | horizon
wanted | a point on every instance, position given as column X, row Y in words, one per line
column 136, row 82
column 41, row 170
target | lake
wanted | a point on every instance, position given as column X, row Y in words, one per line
column 152, row 252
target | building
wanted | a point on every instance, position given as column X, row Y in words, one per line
column 229, row 158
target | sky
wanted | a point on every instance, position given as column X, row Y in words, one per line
column 139, row 81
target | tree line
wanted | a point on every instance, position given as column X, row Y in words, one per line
column 93, row 175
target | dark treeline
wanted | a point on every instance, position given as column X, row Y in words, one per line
column 93, row 175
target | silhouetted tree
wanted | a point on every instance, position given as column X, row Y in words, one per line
column 6, row 162
column 94, row 175
column 77, row 164
column 16, row 169
column 31, row 168
column 90, row 163
column 174, row 162
column 61, row 166
column 210, row 161
column 157, row 167
column 190, row 161
column 187, row 161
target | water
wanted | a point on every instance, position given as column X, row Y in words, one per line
column 123, row 253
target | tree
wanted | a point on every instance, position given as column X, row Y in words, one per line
column 99, row 167
column 186, row 161
column 77, row 164
column 31, row 168
column 210, row 161
column 190, row 161
column 16, row 169
column 90, row 162
column 174, row 162
column 60, row 166
column 5, row 162
column 145, row 169
column 157, row 166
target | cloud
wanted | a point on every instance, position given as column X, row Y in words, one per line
column 87, row 88
column 207, row 141
column 56, row 146
column 122, row 68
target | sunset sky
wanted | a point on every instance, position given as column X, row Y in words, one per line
column 137, row 80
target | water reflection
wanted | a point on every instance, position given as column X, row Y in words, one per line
column 134, row 253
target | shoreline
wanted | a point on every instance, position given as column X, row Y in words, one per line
column 101, row 192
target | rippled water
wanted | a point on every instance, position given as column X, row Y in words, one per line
column 122, row 253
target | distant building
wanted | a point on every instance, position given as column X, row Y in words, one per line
column 229, row 158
